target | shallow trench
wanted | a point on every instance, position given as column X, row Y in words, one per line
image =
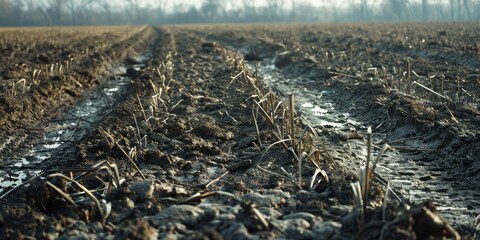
column 62, row 134
column 412, row 179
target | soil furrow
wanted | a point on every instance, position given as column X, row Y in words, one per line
column 198, row 146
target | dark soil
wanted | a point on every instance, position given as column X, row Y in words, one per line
column 185, row 143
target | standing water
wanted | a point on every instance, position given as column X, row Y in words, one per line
column 76, row 124
column 414, row 180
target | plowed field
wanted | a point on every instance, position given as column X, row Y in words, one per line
column 240, row 132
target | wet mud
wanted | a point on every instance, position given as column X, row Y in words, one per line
column 201, row 143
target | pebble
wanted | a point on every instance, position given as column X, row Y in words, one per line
column 325, row 230
column 340, row 210
column 295, row 228
column 246, row 141
column 185, row 214
column 265, row 200
column 136, row 229
column 143, row 190
column 270, row 212
column 237, row 231
column 310, row 218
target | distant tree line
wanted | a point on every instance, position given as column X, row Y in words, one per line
column 120, row 12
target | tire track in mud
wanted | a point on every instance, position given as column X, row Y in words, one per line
column 59, row 140
column 337, row 110
column 411, row 173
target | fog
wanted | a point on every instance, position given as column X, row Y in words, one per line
column 121, row 12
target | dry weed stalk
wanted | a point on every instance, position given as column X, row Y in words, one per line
column 273, row 111
column 112, row 141
column 73, row 193
column 360, row 189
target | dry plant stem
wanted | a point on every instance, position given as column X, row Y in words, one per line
column 357, row 199
column 216, row 179
column 443, row 85
column 323, row 175
column 384, row 148
column 95, row 168
column 385, row 202
column 61, row 193
column 138, row 130
column 291, row 177
column 265, row 114
column 226, row 112
column 367, row 171
column 273, row 173
column 256, row 125
column 385, row 226
column 299, row 165
column 391, row 190
column 143, row 110
column 452, row 231
column 459, row 91
column 430, row 90
column 408, row 77
column 130, row 159
column 292, row 122
column 271, row 145
column 87, row 192
column 231, row 82
column 260, row 217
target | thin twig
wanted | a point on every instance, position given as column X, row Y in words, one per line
column 133, row 163
column 216, row 179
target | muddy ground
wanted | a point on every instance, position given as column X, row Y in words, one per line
column 199, row 147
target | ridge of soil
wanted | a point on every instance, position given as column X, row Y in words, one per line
column 28, row 112
column 187, row 125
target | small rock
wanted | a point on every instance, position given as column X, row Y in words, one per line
column 208, row 46
column 340, row 210
column 225, row 217
column 240, row 164
column 246, row 141
column 295, row 228
column 270, row 212
column 138, row 229
column 156, row 157
column 159, row 138
column 325, row 230
column 310, row 218
column 185, row 214
column 264, row 200
column 425, row 178
column 143, row 190
column 237, row 231
column 212, row 130
column 349, row 222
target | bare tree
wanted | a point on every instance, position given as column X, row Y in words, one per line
column 249, row 8
column 160, row 10
column 425, row 8
column 211, row 9
column 333, row 5
column 397, row 8
column 136, row 7
column 466, row 5
column 275, row 8
column 106, row 8
column 5, row 11
column 54, row 10
column 364, row 9
column 76, row 8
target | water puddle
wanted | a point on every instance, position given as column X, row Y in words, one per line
column 413, row 179
column 62, row 134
